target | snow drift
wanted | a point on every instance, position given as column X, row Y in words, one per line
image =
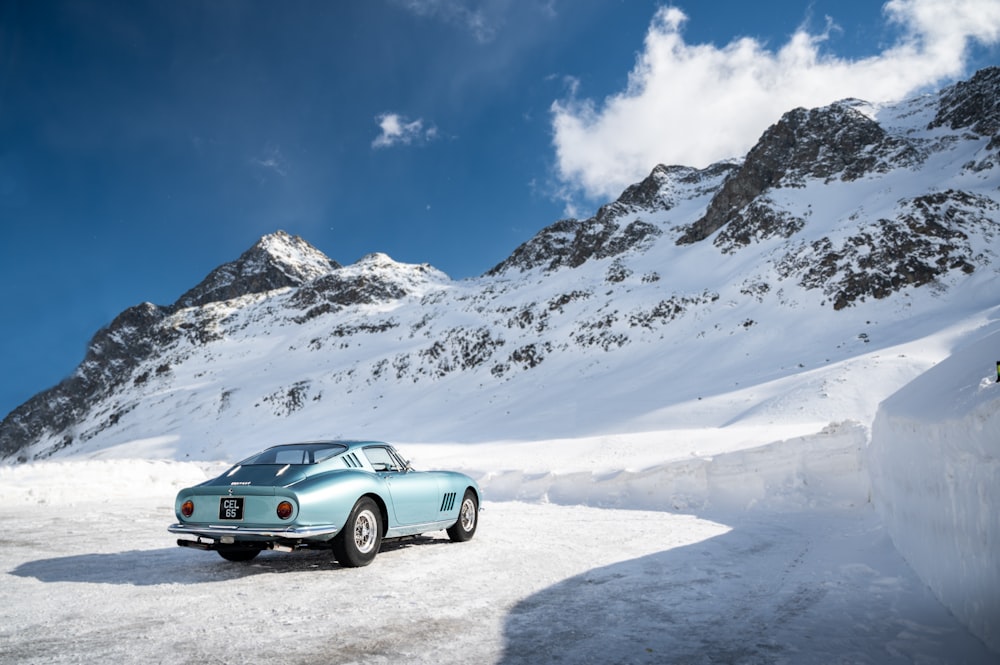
column 935, row 469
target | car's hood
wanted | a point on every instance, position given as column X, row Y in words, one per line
column 265, row 475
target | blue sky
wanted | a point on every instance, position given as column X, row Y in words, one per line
column 143, row 143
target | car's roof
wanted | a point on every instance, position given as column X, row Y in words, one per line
column 349, row 443
column 331, row 449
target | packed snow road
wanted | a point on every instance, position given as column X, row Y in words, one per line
column 95, row 581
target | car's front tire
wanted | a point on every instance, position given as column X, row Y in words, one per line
column 359, row 541
column 468, row 519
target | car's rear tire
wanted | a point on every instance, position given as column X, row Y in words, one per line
column 359, row 541
column 468, row 519
column 238, row 553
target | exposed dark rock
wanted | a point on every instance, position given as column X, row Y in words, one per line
column 287, row 401
column 617, row 272
column 928, row 238
column 758, row 221
column 972, row 104
column 461, row 349
column 571, row 243
column 551, row 248
column 276, row 261
column 666, row 311
column 557, row 303
column 653, row 193
column 531, row 355
column 544, row 249
column 837, row 141
column 332, row 292
column 600, row 333
column 112, row 356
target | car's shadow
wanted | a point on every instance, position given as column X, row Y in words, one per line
column 175, row 565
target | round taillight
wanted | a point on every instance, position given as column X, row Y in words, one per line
column 284, row 510
column 187, row 508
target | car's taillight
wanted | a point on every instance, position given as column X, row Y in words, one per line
column 284, row 510
column 187, row 508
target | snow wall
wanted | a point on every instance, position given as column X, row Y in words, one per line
column 818, row 471
column 934, row 461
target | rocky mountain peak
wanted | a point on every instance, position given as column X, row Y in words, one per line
column 618, row 226
column 375, row 278
column 276, row 261
column 972, row 104
column 376, row 259
column 570, row 243
column 834, row 142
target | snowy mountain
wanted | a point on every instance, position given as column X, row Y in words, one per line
column 682, row 412
column 751, row 290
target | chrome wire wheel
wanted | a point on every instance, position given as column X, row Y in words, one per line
column 465, row 526
column 365, row 531
column 468, row 514
column 360, row 539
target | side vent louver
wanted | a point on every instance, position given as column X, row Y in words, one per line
column 448, row 502
column 351, row 461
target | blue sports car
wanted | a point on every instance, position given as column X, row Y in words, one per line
column 342, row 495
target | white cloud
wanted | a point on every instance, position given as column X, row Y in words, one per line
column 270, row 161
column 398, row 130
column 456, row 12
column 696, row 104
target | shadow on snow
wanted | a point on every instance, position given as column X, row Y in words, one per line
column 768, row 592
column 175, row 565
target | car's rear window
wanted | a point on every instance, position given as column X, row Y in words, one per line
column 298, row 453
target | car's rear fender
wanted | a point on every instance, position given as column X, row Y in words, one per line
column 330, row 497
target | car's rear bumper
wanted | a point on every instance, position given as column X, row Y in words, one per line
column 226, row 532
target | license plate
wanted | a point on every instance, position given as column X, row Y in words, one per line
column 231, row 508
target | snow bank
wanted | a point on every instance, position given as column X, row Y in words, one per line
column 84, row 481
column 935, row 470
column 735, row 468
column 820, row 470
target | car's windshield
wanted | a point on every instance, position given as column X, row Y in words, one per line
column 296, row 453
